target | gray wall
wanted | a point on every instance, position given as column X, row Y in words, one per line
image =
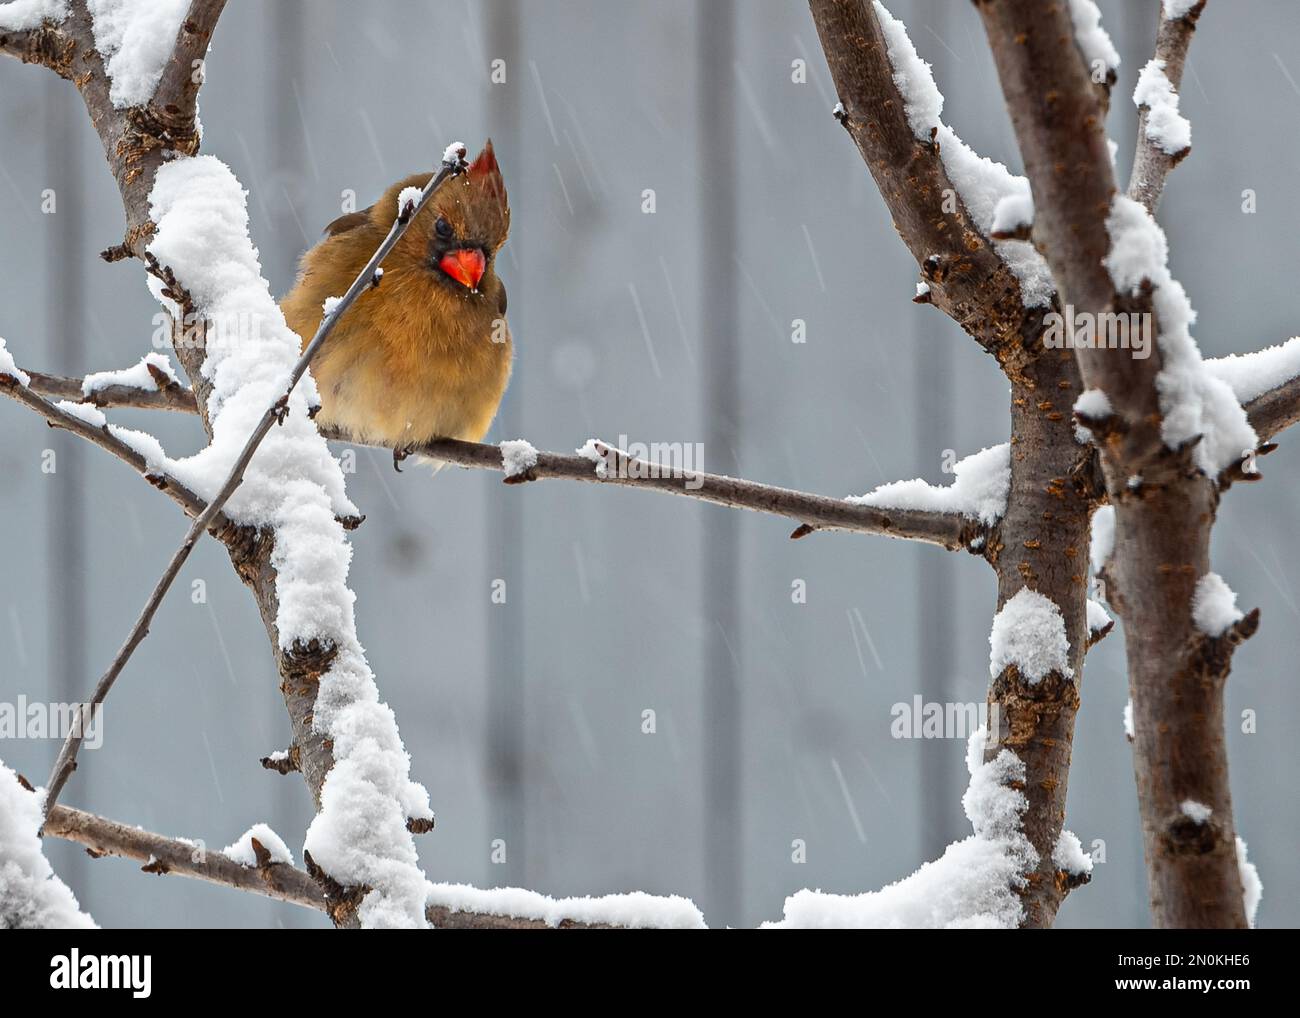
column 524, row 720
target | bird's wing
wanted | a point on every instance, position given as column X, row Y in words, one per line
column 348, row 222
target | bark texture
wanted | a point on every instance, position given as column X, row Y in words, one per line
column 1041, row 543
column 1163, row 524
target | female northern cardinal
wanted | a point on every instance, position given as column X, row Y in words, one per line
column 427, row 353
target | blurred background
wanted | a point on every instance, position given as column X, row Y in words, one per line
column 525, row 719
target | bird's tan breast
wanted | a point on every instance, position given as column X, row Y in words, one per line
column 414, row 365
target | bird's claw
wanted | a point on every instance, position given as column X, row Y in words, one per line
column 401, row 454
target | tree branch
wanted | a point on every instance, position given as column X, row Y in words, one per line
column 813, row 512
column 968, row 280
column 816, row 512
column 220, row 526
column 178, row 89
column 1276, row 410
column 454, row 163
column 162, row 855
column 171, row 397
column 1163, row 526
column 1151, row 163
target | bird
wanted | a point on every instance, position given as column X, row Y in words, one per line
column 427, row 353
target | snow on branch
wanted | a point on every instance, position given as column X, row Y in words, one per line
column 135, row 38
column 154, row 373
column 155, row 396
column 1093, row 41
column 259, row 863
column 1163, row 126
column 1267, row 382
column 11, row 370
column 1029, row 634
column 981, row 483
column 1195, row 404
column 140, row 451
column 26, row 15
column 636, row 910
column 982, row 183
column 890, row 108
column 971, row 886
column 293, row 487
column 514, row 458
column 31, row 895
column 1164, row 136
column 1214, row 606
column 1252, row 888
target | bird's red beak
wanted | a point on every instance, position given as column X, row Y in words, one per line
column 465, row 265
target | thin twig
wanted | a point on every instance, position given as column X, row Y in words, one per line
column 1151, row 163
column 454, row 163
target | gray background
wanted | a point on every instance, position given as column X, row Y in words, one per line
column 524, row 720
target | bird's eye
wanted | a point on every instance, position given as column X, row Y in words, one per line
column 443, row 228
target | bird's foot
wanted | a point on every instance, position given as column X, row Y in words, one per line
column 401, row 454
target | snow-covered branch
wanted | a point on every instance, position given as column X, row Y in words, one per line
column 1164, row 136
column 137, row 449
column 138, row 72
column 942, row 196
column 1174, row 428
column 940, row 525
column 252, row 866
